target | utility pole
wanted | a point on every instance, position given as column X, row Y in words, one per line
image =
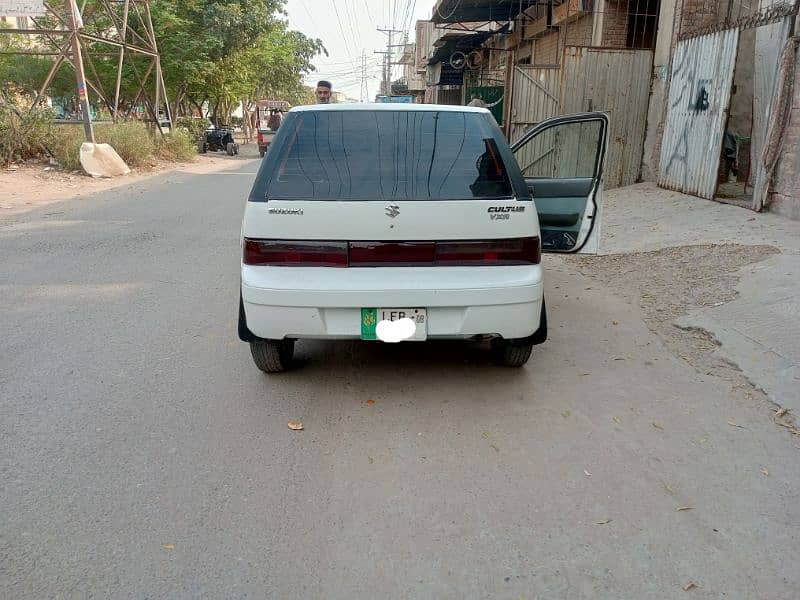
column 364, row 88
column 75, row 22
column 387, row 60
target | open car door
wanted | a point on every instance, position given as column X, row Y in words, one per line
column 562, row 162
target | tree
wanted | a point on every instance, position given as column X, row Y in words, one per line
column 227, row 51
column 218, row 51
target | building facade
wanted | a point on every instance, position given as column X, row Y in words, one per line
column 700, row 93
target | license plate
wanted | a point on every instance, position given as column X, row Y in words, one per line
column 370, row 317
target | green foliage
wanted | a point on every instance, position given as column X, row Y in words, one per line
column 180, row 146
column 194, row 126
column 132, row 140
column 227, row 51
column 221, row 51
column 23, row 133
column 65, row 145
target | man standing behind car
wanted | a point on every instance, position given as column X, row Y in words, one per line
column 323, row 92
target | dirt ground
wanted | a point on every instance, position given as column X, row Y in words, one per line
column 669, row 283
column 30, row 186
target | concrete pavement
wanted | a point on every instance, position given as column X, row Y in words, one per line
column 142, row 455
column 760, row 329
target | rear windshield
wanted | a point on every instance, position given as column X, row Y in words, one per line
column 387, row 155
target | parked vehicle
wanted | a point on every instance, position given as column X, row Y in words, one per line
column 264, row 112
column 218, row 139
column 363, row 216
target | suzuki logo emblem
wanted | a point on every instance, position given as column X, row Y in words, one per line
column 392, row 210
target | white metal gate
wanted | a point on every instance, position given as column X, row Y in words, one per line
column 699, row 95
column 616, row 81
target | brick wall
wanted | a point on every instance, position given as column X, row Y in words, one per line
column 545, row 50
column 615, row 24
column 694, row 15
column 578, row 32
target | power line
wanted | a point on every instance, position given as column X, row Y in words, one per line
column 452, row 12
column 310, row 16
column 369, row 14
column 341, row 30
column 350, row 18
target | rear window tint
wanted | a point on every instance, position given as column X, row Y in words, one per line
column 387, row 155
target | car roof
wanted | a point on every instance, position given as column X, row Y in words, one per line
column 388, row 106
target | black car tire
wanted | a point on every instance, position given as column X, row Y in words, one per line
column 272, row 356
column 261, row 152
column 511, row 353
column 230, row 148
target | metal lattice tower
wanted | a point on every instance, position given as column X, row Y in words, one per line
column 130, row 35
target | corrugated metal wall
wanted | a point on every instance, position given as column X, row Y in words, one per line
column 613, row 81
column 616, row 82
column 699, row 94
column 535, row 97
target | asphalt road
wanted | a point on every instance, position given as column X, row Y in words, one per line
column 142, row 455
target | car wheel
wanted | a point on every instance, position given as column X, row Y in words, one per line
column 229, row 148
column 511, row 353
column 272, row 356
column 261, row 153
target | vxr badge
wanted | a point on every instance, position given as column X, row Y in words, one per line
column 392, row 210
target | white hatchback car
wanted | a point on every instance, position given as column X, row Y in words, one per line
column 397, row 221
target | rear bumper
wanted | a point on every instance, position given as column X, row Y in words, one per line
column 325, row 303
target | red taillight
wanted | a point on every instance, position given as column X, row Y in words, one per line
column 397, row 254
column 300, row 253
column 514, row 251
column 260, row 138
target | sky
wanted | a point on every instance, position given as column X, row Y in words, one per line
column 348, row 28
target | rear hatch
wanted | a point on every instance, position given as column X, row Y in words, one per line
column 390, row 186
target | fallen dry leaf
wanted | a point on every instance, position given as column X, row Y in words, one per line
column 680, row 508
column 689, row 586
column 734, row 424
column 765, row 471
column 169, row 546
column 371, row 460
column 617, row 420
column 566, row 414
column 615, row 322
column 606, row 522
column 370, row 401
column 780, row 412
column 495, row 448
column 585, row 472
column 790, row 427
column 669, row 489
column 658, row 426
column 295, row 425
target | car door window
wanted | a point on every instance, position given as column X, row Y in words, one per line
column 561, row 160
column 564, row 151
